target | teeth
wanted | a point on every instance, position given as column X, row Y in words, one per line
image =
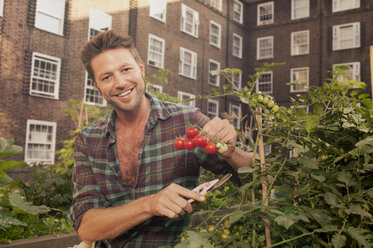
column 125, row 93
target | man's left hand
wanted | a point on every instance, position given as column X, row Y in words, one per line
column 224, row 131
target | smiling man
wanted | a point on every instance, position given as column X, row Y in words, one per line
column 131, row 186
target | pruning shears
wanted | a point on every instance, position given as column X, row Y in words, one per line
column 210, row 186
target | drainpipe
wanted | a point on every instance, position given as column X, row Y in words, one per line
column 227, row 48
column 321, row 43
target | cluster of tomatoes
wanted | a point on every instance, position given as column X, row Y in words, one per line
column 195, row 139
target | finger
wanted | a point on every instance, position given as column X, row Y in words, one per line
column 186, row 193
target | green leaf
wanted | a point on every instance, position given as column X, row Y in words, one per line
column 311, row 123
column 358, row 235
column 308, row 163
column 198, row 240
column 327, row 228
column 284, row 221
column 318, row 109
column 344, row 177
column 7, row 149
column 6, row 221
column 319, row 178
column 227, row 86
column 10, row 165
column 4, row 178
column 357, row 209
column 16, row 201
column 236, row 216
column 338, row 240
column 332, row 199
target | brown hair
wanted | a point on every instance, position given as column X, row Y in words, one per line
column 106, row 41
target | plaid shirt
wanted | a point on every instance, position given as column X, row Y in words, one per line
column 97, row 177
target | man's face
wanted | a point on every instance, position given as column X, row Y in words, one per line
column 119, row 79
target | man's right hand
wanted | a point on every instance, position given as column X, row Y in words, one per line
column 172, row 201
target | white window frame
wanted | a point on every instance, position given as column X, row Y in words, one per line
column 236, row 46
column 266, row 82
column 52, row 143
column 295, row 47
column 216, row 77
column 259, row 49
column 355, row 72
column 1, row 7
column 152, row 62
column 238, row 82
column 90, row 92
column 158, row 88
column 194, row 23
column 214, row 35
column 212, row 114
column 295, row 70
column 56, row 82
column 355, row 33
column 44, row 16
column 217, row 4
column 354, row 4
column 295, row 9
column 234, row 117
column 180, row 96
column 239, row 11
column 193, row 64
column 265, row 22
column 158, row 10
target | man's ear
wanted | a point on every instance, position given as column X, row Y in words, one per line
column 142, row 68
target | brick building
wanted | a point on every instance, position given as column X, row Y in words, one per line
column 40, row 40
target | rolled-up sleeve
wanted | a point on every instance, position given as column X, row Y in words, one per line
column 86, row 194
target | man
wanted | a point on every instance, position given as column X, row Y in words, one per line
column 131, row 186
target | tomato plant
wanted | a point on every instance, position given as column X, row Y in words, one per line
column 319, row 174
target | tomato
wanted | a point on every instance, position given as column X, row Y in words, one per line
column 275, row 108
column 271, row 103
column 191, row 132
column 189, row 144
column 222, row 147
column 210, row 148
column 211, row 228
column 200, row 140
column 179, row 143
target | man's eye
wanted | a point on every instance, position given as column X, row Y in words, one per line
column 126, row 69
column 105, row 78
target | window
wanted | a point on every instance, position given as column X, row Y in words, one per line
column 300, row 43
column 340, row 5
column 264, row 84
column 349, row 71
column 237, row 78
column 237, row 45
column 212, row 108
column 40, row 141
column 155, row 51
column 45, row 76
column 183, row 96
column 265, row 48
column 49, row 15
column 217, row 4
column 300, row 75
column 1, row 7
column 188, row 63
column 346, row 36
column 155, row 88
column 98, row 22
column 189, row 20
column 300, row 9
column 235, row 116
column 158, row 9
column 238, row 11
column 265, row 13
column 215, row 34
column 213, row 66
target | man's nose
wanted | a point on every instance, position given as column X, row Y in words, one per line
column 120, row 80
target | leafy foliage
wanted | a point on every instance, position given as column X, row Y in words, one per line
column 319, row 174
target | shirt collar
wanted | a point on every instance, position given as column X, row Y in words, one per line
column 158, row 111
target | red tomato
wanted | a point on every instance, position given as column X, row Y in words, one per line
column 191, row 132
column 189, row 144
column 179, row 143
column 200, row 140
column 210, row 148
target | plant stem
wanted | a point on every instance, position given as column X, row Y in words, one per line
column 288, row 240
